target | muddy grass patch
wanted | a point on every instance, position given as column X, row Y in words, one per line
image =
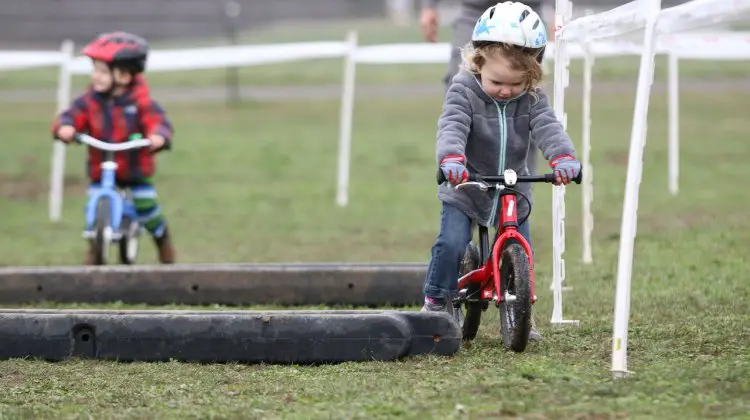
column 27, row 187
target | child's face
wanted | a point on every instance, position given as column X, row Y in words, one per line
column 102, row 77
column 500, row 80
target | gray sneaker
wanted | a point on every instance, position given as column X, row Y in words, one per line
column 429, row 306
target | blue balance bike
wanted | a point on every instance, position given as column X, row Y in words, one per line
column 110, row 212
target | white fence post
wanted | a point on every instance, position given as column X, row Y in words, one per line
column 347, row 115
column 630, row 205
column 673, row 74
column 588, row 175
column 57, row 173
column 563, row 12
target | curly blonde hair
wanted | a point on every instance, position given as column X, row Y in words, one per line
column 476, row 54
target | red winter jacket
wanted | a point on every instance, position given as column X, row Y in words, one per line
column 114, row 119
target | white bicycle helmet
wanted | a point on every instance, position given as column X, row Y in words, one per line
column 511, row 22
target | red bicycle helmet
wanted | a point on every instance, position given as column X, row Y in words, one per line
column 119, row 49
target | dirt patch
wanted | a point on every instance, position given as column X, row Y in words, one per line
column 27, row 187
column 11, row 379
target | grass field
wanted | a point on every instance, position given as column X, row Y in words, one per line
column 256, row 184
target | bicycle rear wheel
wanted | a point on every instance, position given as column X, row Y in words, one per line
column 515, row 309
column 470, row 321
column 130, row 230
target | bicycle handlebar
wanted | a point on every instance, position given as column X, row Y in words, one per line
column 500, row 179
column 111, row 147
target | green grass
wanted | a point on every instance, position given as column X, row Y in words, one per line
column 256, row 184
column 329, row 71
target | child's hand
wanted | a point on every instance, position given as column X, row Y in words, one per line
column 157, row 141
column 66, row 133
column 566, row 169
column 454, row 170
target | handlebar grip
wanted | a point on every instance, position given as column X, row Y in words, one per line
column 441, row 177
column 579, row 178
column 551, row 177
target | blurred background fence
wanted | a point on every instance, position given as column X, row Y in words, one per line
column 44, row 23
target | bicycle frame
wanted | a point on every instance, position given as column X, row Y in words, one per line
column 507, row 229
column 120, row 206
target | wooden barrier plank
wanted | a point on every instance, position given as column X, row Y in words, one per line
column 226, row 336
column 225, row 284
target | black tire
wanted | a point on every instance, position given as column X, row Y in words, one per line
column 470, row 322
column 130, row 230
column 515, row 316
column 101, row 249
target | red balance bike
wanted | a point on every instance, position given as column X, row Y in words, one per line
column 505, row 274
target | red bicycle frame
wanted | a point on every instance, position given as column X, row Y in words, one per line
column 508, row 229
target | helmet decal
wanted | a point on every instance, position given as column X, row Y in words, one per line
column 482, row 27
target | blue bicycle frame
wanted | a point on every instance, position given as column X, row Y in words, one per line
column 120, row 205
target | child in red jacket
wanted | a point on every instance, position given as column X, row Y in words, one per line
column 116, row 106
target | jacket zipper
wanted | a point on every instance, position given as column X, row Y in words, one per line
column 501, row 164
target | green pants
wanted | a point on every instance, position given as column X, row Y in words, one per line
column 146, row 203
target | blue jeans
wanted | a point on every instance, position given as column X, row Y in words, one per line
column 450, row 245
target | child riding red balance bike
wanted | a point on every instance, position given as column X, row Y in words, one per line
column 504, row 275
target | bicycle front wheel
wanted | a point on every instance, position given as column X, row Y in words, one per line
column 515, row 309
column 103, row 230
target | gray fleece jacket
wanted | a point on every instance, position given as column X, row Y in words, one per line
column 494, row 136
